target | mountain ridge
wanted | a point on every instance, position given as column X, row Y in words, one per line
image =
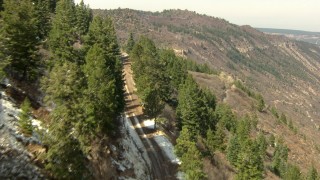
column 284, row 71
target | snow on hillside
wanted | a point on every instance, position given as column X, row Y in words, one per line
column 15, row 160
column 134, row 154
column 167, row 147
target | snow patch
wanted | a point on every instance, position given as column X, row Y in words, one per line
column 134, row 154
column 167, row 147
column 148, row 124
column 11, row 140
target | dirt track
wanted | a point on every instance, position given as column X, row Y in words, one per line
column 161, row 167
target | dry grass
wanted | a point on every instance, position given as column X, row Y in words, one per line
column 302, row 150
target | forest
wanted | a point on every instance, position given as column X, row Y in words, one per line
column 74, row 59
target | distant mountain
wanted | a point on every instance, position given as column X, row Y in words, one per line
column 286, row 72
column 307, row 36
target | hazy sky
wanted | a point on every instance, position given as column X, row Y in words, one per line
column 286, row 14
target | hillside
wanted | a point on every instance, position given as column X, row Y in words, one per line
column 284, row 71
column 306, row 36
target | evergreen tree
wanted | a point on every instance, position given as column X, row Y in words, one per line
column 184, row 141
column 42, row 9
column 216, row 140
column 25, row 123
column 64, row 84
column 224, row 115
column 64, row 158
column 210, row 141
column 175, row 68
column 261, row 103
column 190, row 156
column 208, row 109
column 102, row 33
column 262, row 143
column 130, row 43
column 62, row 35
column 148, row 70
column 153, row 105
column 243, row 130
column 63, row 90
column 279, row 160
column 53, row 4
column 192, row 163
column 84, row 17
column 101, row 94
column 220, row 138
column 249, row 162
column 233, row 149
column 18, row 39
column 191, row 109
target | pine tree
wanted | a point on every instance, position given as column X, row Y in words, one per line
column 63, row 84
column 25, row 123
column 102, row 33
column 243, row 130
column 42, row 9
column 233, row 149
column 64, row 158
column 148, row 69
column 210, row 141
column 53, row 4
column 18, row 39
column 84, row 17
column 261, row 103
column 190, row 107
column 279, row 160
column 153, row 105
column 262, row 143
column 183, row 142
column 130, row 43
column 175, row 68
column 249, row 162
column 192, row 163
column 190, row 156
column 216, row 140
column 101, row 94
column 63, row 90
column 62, row 35
column 220, row 138
column 224, row 115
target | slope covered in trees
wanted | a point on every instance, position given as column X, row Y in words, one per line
column 84, row 86
column 81, row 77
column 207, row 127
column 283, row 71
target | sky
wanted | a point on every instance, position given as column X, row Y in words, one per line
column 282, row 14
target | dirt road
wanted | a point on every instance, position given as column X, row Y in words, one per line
column 161, row 167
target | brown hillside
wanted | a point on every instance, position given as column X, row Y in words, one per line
column 285, row 72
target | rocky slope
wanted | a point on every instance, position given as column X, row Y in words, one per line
column 285, row 72
column 16, row 161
